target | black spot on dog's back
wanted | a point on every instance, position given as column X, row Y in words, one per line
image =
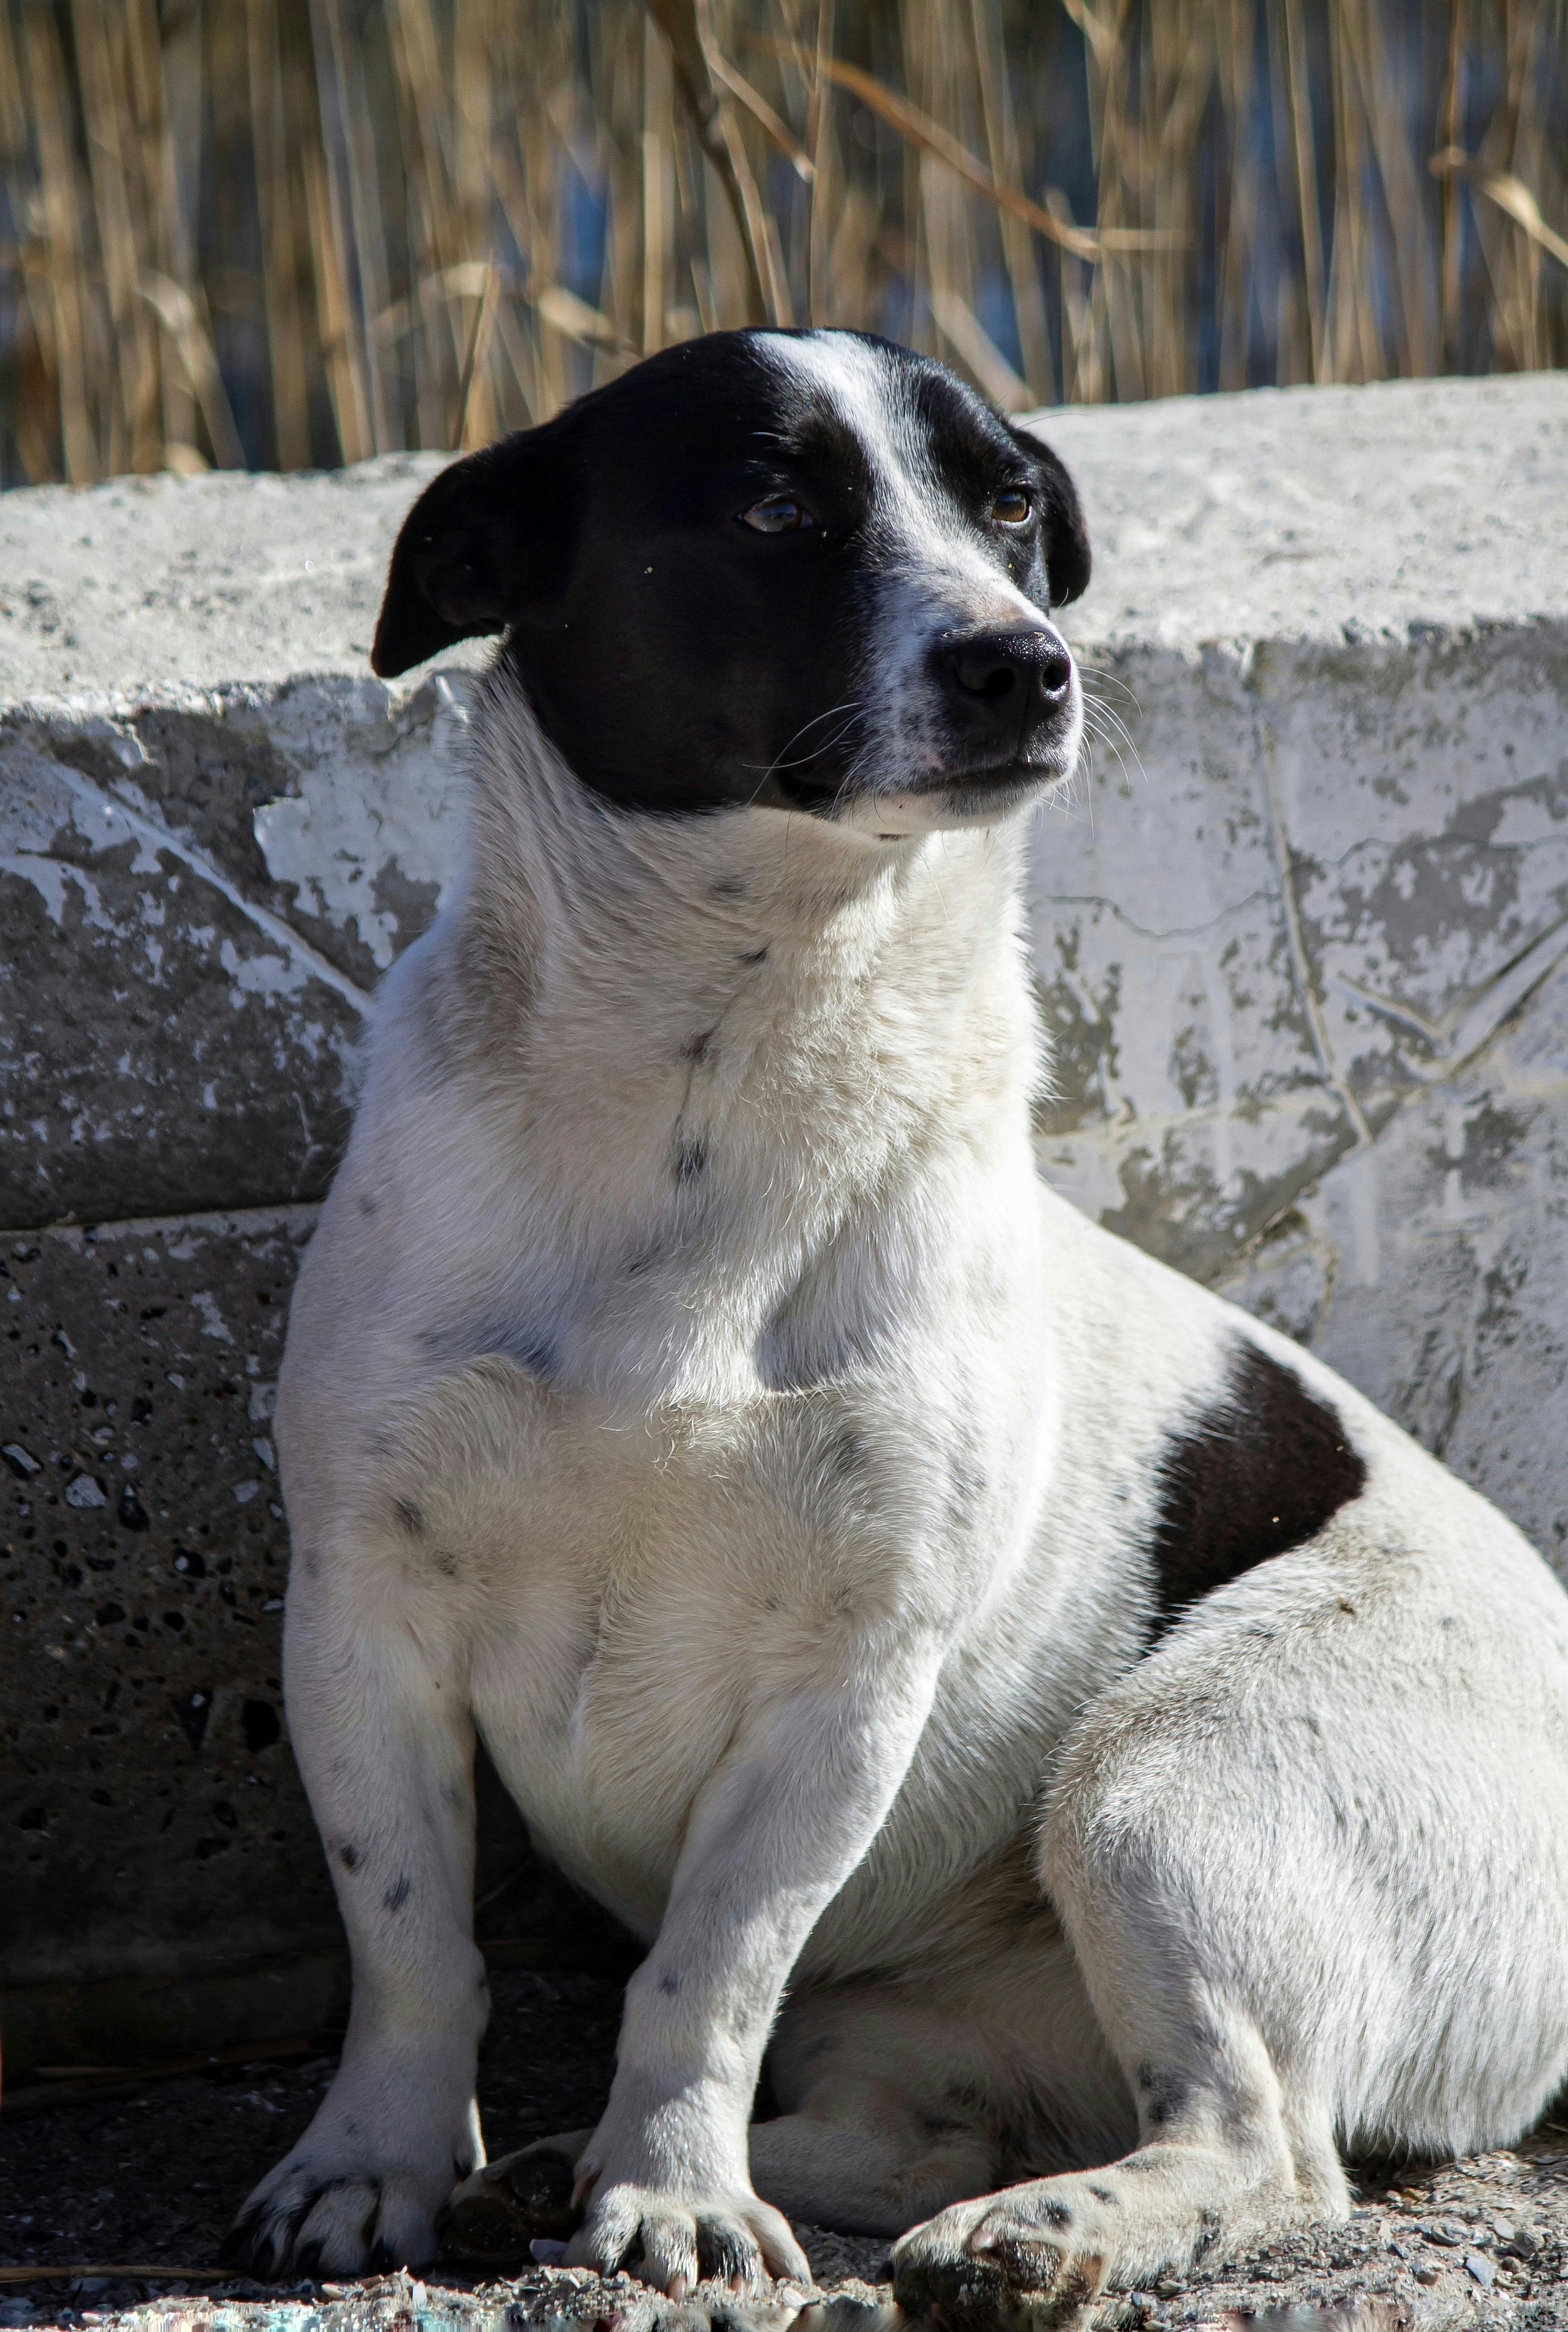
column 1262, row 1470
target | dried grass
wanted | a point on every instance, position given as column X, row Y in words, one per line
column 287, row 232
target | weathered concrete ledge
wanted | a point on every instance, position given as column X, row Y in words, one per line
column 1303, row 940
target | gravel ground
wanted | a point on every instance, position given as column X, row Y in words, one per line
column 153, row 2175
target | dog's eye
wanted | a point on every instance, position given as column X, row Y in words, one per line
column 1012, row 507
column 778, row 514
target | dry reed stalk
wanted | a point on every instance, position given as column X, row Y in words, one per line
column 144, row 93
column 1110, row 89
column 1344, row 357
column 831, row 191
column 27, row 374
column 435, row 219
column 436, row 238
column 468, row 430
column 285, row 338
column 342, row 355
column 1029, row 302
column 132, row 438
column 476, row 32
column 685, row 24
column 174, row 171
column 63, row 239
column 371, row 204
column 930, row 136
column 950, row 258
column 621, row 118
column 1519, row 261
column 190, row 338
column 1309, row 215
column 657, row 137
column 13, row 124
column 1236, row 81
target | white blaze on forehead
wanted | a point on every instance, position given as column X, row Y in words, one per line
column 913, row 501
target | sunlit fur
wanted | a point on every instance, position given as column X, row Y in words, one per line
column 691, row 1388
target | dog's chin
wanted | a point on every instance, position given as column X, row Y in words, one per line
column 948, row 800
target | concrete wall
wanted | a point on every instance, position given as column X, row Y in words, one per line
column 1302, row 940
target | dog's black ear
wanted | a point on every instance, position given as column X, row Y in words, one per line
column 469, row 555
column 1067, row 561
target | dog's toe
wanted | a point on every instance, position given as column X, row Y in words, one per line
column 314, row 2226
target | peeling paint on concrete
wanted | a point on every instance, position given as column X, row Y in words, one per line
column 1433, row 1267
column 371, row 840
column 1258, row 946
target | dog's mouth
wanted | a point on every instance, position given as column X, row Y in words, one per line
column 1019, row 773
column 969, row 787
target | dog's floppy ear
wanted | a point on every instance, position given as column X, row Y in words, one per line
column 471, row 552
column 1067, row 561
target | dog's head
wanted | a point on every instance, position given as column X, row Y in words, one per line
column 808, row 570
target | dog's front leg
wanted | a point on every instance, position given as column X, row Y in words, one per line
column 379, row 1716
column 772, row 1837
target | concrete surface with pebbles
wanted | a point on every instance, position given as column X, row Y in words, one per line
column 151, row 2175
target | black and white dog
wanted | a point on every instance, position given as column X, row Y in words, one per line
column 1108, row 1766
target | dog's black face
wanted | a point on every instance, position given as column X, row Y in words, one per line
column 808, row 570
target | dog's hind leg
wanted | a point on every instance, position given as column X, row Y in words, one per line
column 379, row 1719
column 1313, row 1857
column 886, row 2115
column 904, row 2095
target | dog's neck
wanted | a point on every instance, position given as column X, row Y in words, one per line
column 704, row 1048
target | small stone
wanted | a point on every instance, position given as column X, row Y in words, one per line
column 1503, row 2229
column 1424, row 2271
column 22, row 1463
column 1439, row 2231
column 1481, row 2268
column 83, row 1491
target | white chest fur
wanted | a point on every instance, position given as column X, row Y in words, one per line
column 677, row 1311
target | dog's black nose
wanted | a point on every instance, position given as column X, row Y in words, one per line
column 1011, row 670
column 1002, row 684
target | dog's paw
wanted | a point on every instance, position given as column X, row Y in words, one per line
column 675, row 2241
column 496, row 2215
column 339, row 2206
column 1028, row 2259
